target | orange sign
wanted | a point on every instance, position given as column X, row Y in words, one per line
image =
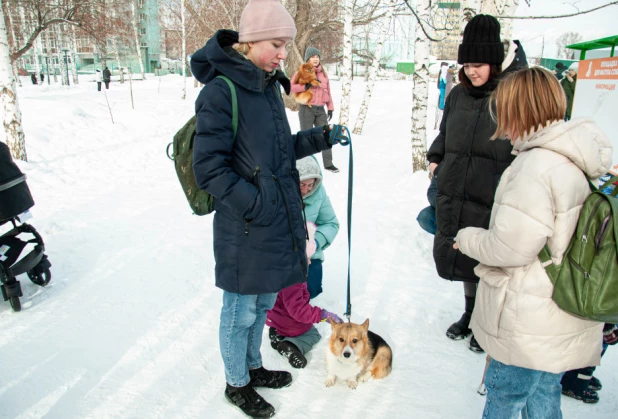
column 599, row 69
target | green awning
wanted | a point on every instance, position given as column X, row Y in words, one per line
column 609, row 42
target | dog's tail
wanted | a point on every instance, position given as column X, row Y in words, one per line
column 382, row 362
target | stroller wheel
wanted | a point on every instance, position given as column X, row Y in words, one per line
column 39, row 277
column 15, row 303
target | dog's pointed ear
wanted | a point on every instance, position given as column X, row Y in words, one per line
column 365, row 325
column 333, row 325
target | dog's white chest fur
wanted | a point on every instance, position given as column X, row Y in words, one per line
column 344, row 371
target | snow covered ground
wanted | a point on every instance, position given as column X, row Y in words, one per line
column 127, row 328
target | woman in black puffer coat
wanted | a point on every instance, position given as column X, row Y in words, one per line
column 468, row 166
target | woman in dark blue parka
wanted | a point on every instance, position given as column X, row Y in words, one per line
column 259, row 231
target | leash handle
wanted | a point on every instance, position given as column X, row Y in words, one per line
column 343, row 139
column 337, row 136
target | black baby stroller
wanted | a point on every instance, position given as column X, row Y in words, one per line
column 15, row 199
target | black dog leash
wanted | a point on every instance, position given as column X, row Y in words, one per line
column 337, row 135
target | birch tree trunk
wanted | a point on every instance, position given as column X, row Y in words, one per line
column 496, row 8
column 12, row 133
column 362, row 113
column 38, row 52
column 346, row 79
column 60, row 54
column 74, row 56
column 473, row 7
column 137, row 45
column 50, row 58
column 420, row 90
column 120, row 67
column 12, row 42
column 184, row 50
column 115, row 44
column 26, row 29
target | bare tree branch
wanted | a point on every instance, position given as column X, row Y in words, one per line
column 422, row 23
column 612, row 3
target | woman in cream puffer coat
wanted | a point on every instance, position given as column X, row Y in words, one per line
column 538, row 202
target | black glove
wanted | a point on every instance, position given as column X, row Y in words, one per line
column 339, row 134
column 307, row 86
column 330, row 115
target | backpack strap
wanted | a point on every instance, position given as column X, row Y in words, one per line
column 234, row 103
column 548, row 264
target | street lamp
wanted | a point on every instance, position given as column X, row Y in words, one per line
column 66, row 61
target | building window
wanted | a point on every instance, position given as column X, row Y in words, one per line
column 143, row 31
column 142, row 17
column 143, row 44
column 140, row 3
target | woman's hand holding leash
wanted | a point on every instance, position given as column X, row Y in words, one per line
column 336, row 134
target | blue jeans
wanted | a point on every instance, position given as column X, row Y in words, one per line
column 511, row 390
column 427, row 220
column 240, row 334
column 314, row 278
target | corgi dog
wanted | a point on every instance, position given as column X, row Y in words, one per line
column 356, row 354
column 306, row 74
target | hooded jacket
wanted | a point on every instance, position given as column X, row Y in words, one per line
column 538, row 202
column 470, row 167
column 259, row 231
column 318, row 208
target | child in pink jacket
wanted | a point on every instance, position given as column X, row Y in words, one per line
column 291, row 320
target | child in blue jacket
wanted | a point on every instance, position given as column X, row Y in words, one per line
column 318, row 210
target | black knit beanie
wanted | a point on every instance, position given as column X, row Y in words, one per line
column 481, row 41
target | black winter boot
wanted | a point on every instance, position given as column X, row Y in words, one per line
column 275, row 337
column 249, row 401
column 474, row 345
column 586, row 396
column 595, row 384
column 292, row 353
column 262, row 377
column 460, row 329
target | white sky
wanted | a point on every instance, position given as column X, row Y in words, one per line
column 598, row 24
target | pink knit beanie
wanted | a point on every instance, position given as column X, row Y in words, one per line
column 265, row 19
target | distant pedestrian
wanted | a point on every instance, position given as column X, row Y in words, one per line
column 42, row 76
column 450, row 79
column 98, row 77
column 319, row 111
column 33, row 78
column 442, row 76
column 442, row 84
column 568, row 84
column 559, row 71
column 107, row 77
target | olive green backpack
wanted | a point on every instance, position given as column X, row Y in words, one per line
column 201, row 202
column 586, row 282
